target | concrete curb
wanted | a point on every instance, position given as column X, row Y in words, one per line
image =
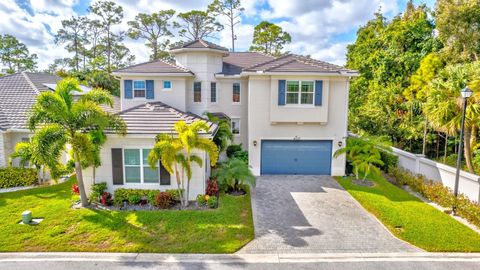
column 239, row 258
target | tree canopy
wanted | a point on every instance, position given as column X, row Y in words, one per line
column 15, row 55
column 197, row 24
column 269, row 38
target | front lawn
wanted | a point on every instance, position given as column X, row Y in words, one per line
column 222, row 230
column 412, row 220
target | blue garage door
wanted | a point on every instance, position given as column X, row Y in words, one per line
column 296, row 157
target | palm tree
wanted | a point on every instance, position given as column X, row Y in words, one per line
column 176, row 153
column 364, row 154
column 233, row 173
column 58, row 119
column 224, row 133
column 443, row 108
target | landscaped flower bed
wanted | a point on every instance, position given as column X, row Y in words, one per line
column 151, row 199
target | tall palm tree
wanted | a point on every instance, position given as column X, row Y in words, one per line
column 444, row 104
column 224, row 134
column 58, row 119
column 176, row 153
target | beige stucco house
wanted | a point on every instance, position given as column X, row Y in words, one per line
column 289, row 112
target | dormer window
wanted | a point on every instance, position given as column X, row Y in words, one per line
column 139, row 89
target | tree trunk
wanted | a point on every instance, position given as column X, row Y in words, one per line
column 81, row 186
column 445, row 153
column 438, row 145
column 424, row 146
column 468, row 149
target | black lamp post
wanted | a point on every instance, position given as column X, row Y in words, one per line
column 466, row 93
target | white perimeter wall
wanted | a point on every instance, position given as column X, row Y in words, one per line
column 469, row 184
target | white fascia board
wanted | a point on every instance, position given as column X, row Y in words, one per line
column 182, row 50
column 223, row 76
column 324, row 74
column 17, row 130
column 148, row 135
column 139, row 74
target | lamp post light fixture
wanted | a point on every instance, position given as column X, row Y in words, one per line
column 466, row 93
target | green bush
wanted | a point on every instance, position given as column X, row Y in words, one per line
column 123, row 194
column 134, row 199
column 389, row 161
column 201, row 200
column 212, row 202
column 232, row 149
column 17, row 177
column 436, row 192
column 97, row 191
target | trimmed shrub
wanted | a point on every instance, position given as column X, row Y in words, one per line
column 436, row 192
column 123, row 194
column 151, row 196
column 17, row 177
column 389, row 161
column 202, row 199
column 212, row 202
column 164, row 200
column 134, row 199
column 97, row 190
column 212, row 187
column 232, row 149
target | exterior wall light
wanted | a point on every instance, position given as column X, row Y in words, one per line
column 254, row 143
column 340, row 143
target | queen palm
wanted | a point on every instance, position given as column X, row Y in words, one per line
column 58, row 119
column 176, row 153
column 444, row 104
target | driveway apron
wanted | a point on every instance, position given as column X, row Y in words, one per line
column 314, row 214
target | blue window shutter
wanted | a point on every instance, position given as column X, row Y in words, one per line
column 127, row 88
column 150, row 92
column 318, row 93
column 281, row 92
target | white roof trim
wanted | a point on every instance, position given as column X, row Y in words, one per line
column 153, row 74
column 327, row 74
column 181, row 50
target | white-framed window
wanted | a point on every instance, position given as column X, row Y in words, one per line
column 197, row 92
column 235, row 124
column 167, row 85
column 213, row 92
column 300, row 92
column 137, row 169
column 139, row 89
column 236, row 93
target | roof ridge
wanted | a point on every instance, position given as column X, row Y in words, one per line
column 29, row 81
column 175, row 65
column 269, row 61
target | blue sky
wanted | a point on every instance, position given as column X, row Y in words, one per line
column 320, row 28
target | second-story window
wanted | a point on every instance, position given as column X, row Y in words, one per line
column 167, row 85
column 236, row 92
column 300, row 92
column 213, row 92
column 197, row 92
column 139, row 89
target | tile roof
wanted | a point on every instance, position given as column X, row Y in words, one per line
column 18, row 94
column 200, row 44
column 157, row 117
column 155, row 66
column 297, row 63
column 235, row 62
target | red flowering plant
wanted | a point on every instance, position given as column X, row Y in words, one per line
column 212, row 187
column 75, row 189
column 106, row 198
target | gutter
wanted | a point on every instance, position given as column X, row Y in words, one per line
column 153, row 74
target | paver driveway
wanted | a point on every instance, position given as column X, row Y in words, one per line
column 311, row 214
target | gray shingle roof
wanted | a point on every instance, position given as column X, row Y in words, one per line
column 200, row 44
column 157, row 117
column 155, row 66
column 235, row 62
column 297, row 63
column 17, row 96
column 40, row 79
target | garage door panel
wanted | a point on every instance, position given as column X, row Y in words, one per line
column 296, row 157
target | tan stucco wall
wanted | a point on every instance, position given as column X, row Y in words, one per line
column 104, row 172
column 261, row 126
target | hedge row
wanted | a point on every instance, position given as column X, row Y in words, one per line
column 438, row 193
column 124, row 194
column 17, row 177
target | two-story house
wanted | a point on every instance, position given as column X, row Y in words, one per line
column 289, row 112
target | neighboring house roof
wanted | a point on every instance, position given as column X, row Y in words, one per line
column 200, row 44
column 18, row 94
column 157, row 117
column 297, row 63
column 235, row 62
column 155, row 66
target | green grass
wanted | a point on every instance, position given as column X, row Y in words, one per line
column 421, row 224
column 222, row 230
